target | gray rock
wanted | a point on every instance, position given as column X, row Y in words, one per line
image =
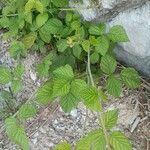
column 134, row 16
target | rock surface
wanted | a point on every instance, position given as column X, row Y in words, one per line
column 134, row 16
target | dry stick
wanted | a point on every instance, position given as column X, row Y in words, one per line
column 101, row 113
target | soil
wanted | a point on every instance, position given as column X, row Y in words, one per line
column 52, row 126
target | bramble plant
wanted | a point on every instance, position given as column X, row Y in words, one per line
column 75, row 53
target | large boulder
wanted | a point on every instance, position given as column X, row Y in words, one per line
column 134, row 16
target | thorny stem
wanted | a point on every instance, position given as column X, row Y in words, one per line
column 101, row 113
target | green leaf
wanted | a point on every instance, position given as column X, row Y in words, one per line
column 130, row 77
column 62, row 45
column 77, row 51
column 119, row 142
column 45, row 36
column 18, row 71
column 16, row 86
column 110, row 119
column 60, row 3
column 77, row 86
column 29, row 39
column 53, row 26
column 5, row 75
column 75, row 25
column 108, row 64
column 16, row 133
column 64, row 72
column 90, row 97
column 41, row 19
column 17, row 49
column 63, row 146
column 29, row 5
column 95, row 140
column 68, row 102
column 114, row 86
column 27, row 111
column 39, row 6
column 94, row 58
column 69, row 17
column 44, row 94
column 118, row 34
column 86, row 45
column 97, row 29
column 61, row 87
column 103, row 45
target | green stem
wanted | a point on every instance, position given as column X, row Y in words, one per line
column 101, row 113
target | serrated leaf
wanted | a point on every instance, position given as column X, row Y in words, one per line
column 5, row 75
column 39, row 6
column 118, row 34
column 16, row 86
column 61, row 87
column 29, row 5
column 86, row 45
column 95, row 140
column 41, row 19
column 45, row 36
column 94, row 58
column 130, row 77
column 75, row 25
column 90, row 97
column 63, row 146
column 29, row 39
column 114, row 86
column 17, row 49
column 119, row 142
column 110, row 119
column 65, row 32
column 97, row 29
column 53, row 26
column 18, row 71
column 108, row 64
column 77, row 86
column 62, row 45
column 16, row 133
column 60, row 3
column 44, row 94
column 69, row 17
column 103, row 45
column 77, row 51
column 68, row 102
column 64, row 72
column 27, row 111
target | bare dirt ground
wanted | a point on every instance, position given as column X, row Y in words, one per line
column 52, row 126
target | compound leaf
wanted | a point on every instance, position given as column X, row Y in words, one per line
column 62, row 45
column 68, row 102
column 64, row 72
column 110, row 119
column 90, row 97
column 119, row 142
column 114, row 86
column 44, row 94
column 118, row 34
column 29, row 39
column 27, row 111
column 130, row 77
column 41, row 19
column 60, row 3
column 95, row 140
column 108, row 64
column 103, row 45
column 63, row 146
column 16, row 133
column 5, row 75
column 61, row 87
